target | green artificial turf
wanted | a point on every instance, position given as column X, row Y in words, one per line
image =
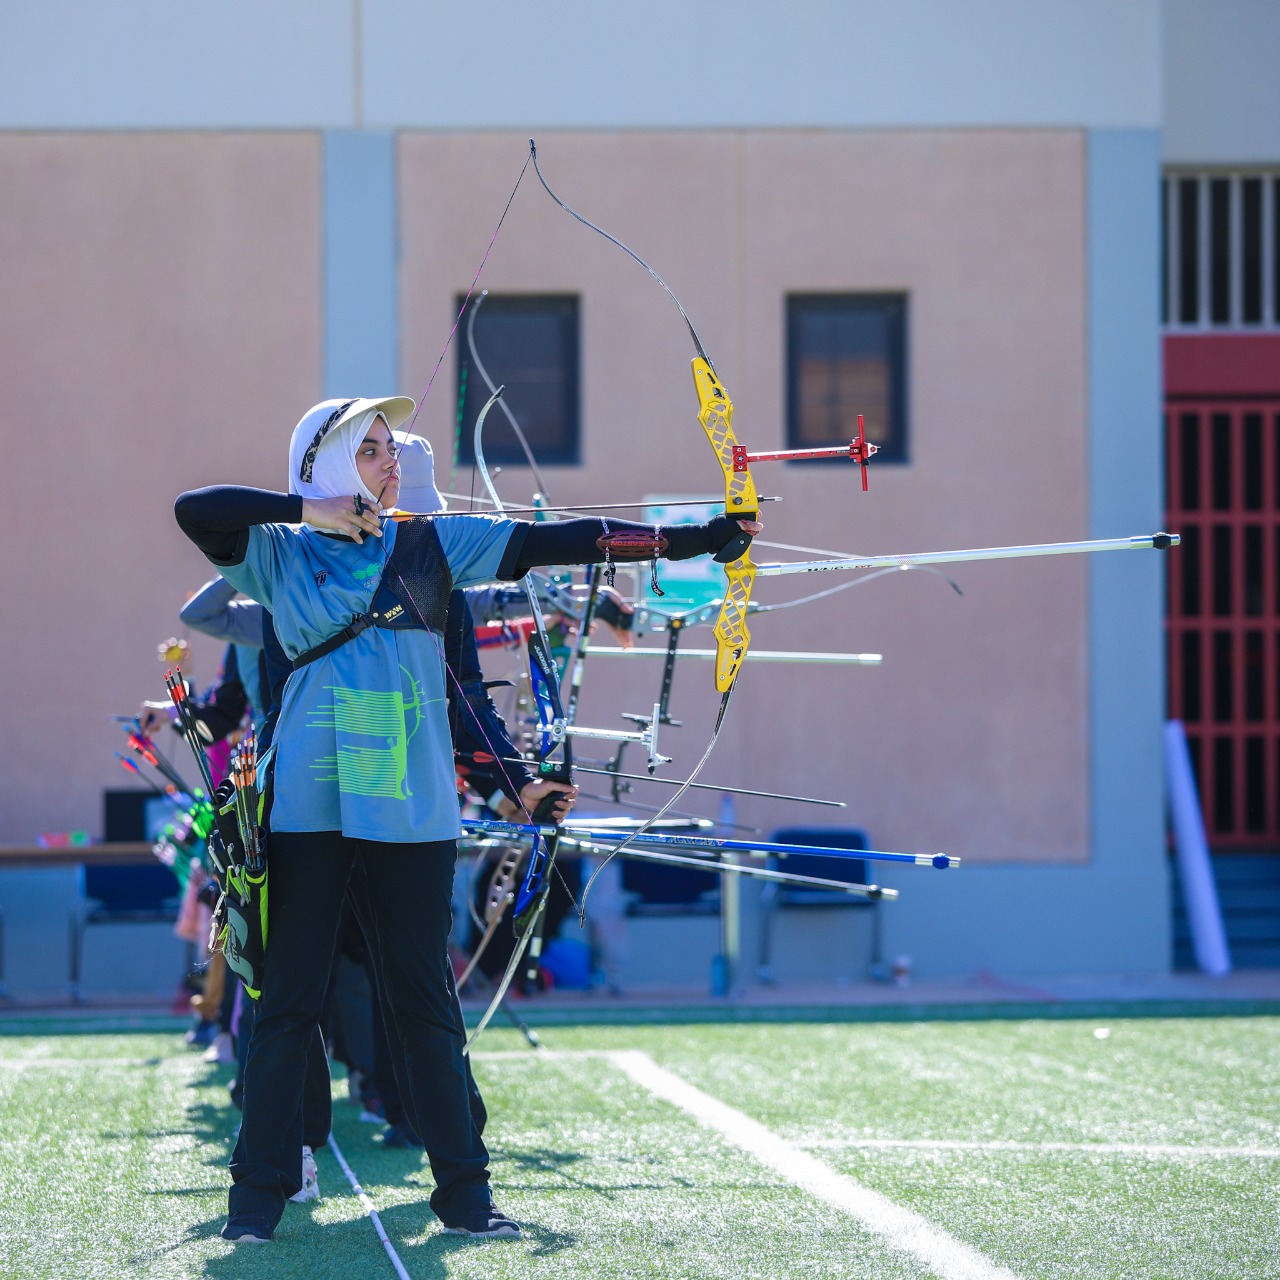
column 1056, row 1148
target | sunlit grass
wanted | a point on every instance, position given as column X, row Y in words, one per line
column 1144, row 1148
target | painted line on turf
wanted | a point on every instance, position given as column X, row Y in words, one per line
column 1151, row 1151
column 902, row 1229
column 369, row 1209
column 179, row 1065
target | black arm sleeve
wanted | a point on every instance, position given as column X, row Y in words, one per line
column 218, row 519
column 574, row 541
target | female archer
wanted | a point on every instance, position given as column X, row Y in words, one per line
column 363, row 767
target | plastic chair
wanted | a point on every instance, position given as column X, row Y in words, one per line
column 776, row 896
column 125, row 894
column 655, row 889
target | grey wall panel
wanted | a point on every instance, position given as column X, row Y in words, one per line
column 134, row 64
column 1114, row 914
column 1126, row 486
column 361, row 264
column 1222, row 82
column 154, row 64
column 724, row 63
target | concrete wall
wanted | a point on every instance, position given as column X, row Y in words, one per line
column 177, row 299
column 1221, row 91
column 497, row 64
column 973, row 737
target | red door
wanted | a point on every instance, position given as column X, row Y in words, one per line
column 1222, row 432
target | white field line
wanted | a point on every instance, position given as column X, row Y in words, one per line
column 392, row 1255
column 903, row 1230
column 98, row 1065
column 1146, row 1150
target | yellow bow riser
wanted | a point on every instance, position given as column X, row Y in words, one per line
column 715, row 412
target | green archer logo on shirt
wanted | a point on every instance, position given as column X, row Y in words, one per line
column 364, row 574
column 373, row 729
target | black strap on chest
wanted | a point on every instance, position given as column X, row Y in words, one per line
column 413, row 593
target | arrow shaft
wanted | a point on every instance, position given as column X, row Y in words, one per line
column 754, row 873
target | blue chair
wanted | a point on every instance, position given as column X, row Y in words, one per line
column 776, row 896
column 124, row 894
column 655, row 889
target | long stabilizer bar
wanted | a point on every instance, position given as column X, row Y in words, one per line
column 1157, row 541
column 710, row 844
column 754, row 873
column 753, row 655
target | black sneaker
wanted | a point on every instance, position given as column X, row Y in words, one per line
column 401, row 1136
column 485, row 1220
column 246, row 1231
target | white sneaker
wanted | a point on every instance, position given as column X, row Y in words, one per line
column 223, row 1048
column 310, row 1184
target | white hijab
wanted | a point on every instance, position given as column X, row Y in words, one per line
column 322, row 457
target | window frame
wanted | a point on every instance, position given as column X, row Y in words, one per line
column 894, row 306
column 507, row 452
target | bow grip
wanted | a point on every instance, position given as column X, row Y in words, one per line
column 737, row 546
column 545, row 810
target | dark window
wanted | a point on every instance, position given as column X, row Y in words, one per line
column 1189, row 250
column 1252, row 462
column 1255, row 786
column 1224, row 776
column 1251, row 251
column 1220, row 255
column 1192, row 677
column 1220, row 250
column 1164, row 257
column 1221, row 566
column 847, row 355
column 1190, row 562
column 1223, row 672
column 1275, row 251
column 1189, row 439
column 529, row 346
column 1220, row 444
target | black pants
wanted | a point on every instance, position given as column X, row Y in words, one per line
column 408, row 888
column 390, row 1070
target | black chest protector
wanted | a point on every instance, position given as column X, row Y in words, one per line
column 413, row 593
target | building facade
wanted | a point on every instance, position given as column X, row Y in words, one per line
column 211, row 219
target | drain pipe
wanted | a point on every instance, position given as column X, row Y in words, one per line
column 1208, row 937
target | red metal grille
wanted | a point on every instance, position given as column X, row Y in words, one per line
column 1224, row 608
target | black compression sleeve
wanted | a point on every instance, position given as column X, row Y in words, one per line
column 574, row 541
column 218, row 519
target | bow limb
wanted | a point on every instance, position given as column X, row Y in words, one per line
column 715, row 412
column 716, row 416
column 531, row 897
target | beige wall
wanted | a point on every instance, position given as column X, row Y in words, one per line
column 162, row 329
column 161, row 310
column 972, row 736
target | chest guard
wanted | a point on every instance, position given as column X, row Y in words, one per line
column 416, row 583
column 414, row 590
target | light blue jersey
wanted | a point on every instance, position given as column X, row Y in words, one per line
column 363, row 744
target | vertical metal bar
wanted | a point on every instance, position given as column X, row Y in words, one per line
column 1172, row 253
column 730, row 934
